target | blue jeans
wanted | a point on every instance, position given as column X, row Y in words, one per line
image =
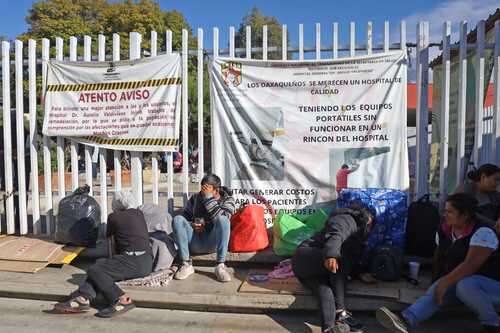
column 214, row 240
column 479, row 293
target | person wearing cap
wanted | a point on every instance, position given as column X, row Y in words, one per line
column 204, row 227
column 128, row 234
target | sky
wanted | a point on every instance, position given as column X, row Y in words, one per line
column 224, row 13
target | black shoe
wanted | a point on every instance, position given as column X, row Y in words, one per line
column 115, row 310
column 489, row 329
column 391, row 321
column 345, row 317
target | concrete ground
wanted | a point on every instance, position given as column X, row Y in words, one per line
column 30, row 316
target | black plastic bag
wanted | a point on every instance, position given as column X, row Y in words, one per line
column 78, row 219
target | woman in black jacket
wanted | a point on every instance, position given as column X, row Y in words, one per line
column 323, row 263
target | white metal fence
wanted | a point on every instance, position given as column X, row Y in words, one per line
column 41, row 200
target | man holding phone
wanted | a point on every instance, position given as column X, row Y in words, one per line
column 204, row 227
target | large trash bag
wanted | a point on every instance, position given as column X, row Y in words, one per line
column 78, row 219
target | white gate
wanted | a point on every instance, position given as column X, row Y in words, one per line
column 26, row 205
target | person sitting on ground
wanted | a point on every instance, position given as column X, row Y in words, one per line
column 126, row 229
column 204, row 227
column 482, row 185
column 470, row 271
column 342, row 176
column 324, row 262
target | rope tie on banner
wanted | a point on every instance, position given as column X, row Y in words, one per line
column 6, row 196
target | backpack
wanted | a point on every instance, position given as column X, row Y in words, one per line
column 386, row 263
column 423, row 223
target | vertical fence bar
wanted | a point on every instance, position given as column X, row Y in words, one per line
column 422, row 160
column 103, row 168
column 369, row 38
column 301, row 41
column 7, row 144
column 168, row 41
column 35, row 195
column 87, row 56
column 61, row 186
column 479, row 109
column 386, row 36
column 154, row 156
column 201, row 141
column 170, row 161
column 215, row 55
column 496, row 107
column 47, row 165
column 264, row 42
column 284, row 42
column 117, row 166
column 335, row 41
column 231, row 42
column 136, row 157
column 248, row 42
column 445, row 116
column 21, row 171
column 352, row 45
column 185, row 115
column 73, row 144
column 318, row 41
column 462, row 103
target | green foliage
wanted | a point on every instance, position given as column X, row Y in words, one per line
column 256, row 21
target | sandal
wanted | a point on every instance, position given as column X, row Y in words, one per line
column 74, row 305
column 115, row 310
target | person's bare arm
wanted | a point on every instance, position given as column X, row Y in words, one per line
column 476, row 257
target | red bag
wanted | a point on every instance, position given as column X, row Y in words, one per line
column 248, row 230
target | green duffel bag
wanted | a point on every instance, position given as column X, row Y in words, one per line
column 317, row 220
column 289, row 233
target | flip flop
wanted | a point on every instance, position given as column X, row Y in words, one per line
column 115, row 310
column 71, row 306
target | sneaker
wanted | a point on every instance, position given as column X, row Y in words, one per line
column 345, row 317
column 489, row 329
column 338, row 328
column 184, row 271
column 391, row 321
column 221, row 273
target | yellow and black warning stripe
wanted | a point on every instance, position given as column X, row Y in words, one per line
column 133, row 142
column 113, row 85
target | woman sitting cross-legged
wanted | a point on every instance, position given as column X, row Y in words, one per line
column 469, row 260
column 323, row 263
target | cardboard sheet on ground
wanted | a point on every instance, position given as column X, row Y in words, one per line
column 29, row 255
column 27, row 249
column 22, row 266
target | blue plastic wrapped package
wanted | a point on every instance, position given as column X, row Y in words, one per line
column 390, row 207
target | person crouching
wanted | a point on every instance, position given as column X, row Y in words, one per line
column 204, row 227
column 127, row 230
column 323, row 263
